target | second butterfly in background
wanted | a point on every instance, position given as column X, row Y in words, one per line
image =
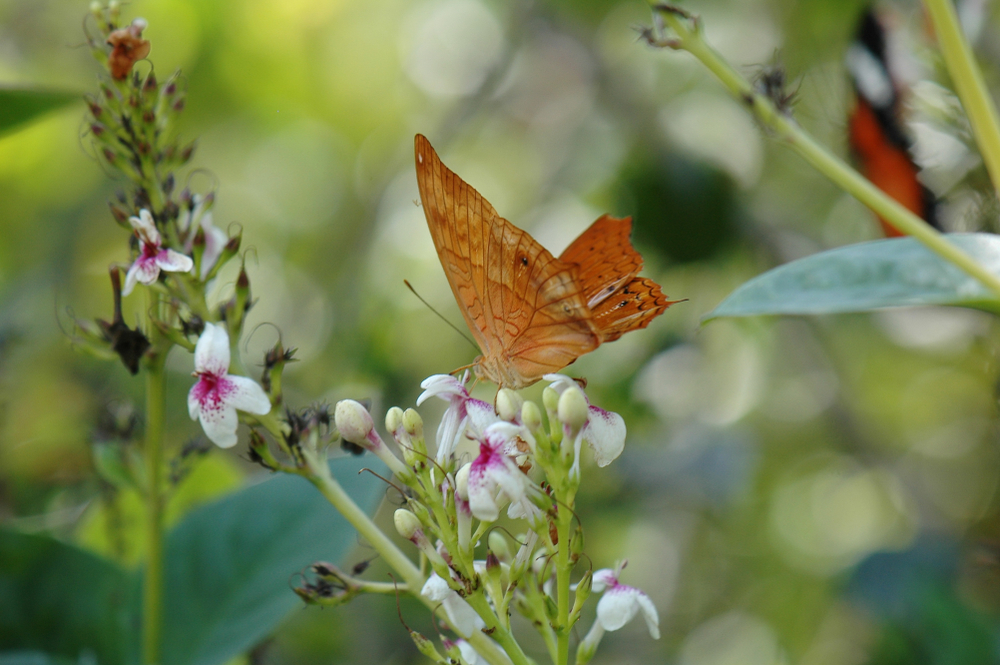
column 877, row 137
column 530, row 312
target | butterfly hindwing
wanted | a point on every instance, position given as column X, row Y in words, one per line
column 604, row 257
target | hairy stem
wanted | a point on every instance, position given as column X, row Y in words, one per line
column 969, row 83
column 690, row 39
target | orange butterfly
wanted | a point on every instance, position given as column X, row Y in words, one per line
column 530, row 312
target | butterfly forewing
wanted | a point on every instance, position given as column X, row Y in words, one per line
column 522, row 304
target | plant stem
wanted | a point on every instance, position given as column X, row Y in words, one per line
column 319, row 475
column 562, row 584
column 152, row 600
column 825, row 162
column 969, row 83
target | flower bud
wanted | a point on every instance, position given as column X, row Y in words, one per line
column 393, row 419
column 509, row 404
column 462, row 482
column 413, row 423
column 354, row 422
column 582, row 593
column 573, row 408
column 498, row 545
column 427, row 648
column 407, row 524
column 531, row 416
column 550, row 398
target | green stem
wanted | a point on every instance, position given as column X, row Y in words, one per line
column 969, row 83
column 826, row 163
column 153, row 453
column 320, row 477
column 562, row 585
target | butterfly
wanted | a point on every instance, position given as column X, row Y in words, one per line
column 530, row 312
column 877, row 137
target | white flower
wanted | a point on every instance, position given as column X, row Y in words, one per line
column 152, row 257
column 463, row 412
column 604, row 430
column 461, row 616
column 495, row 469
column 215, row 238
column 217, row 395
column 470, row 655
column 620, row 603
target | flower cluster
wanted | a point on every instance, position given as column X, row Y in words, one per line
column 176, row 249
column 520, row 466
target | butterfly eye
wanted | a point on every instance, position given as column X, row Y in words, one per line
column 524, row 260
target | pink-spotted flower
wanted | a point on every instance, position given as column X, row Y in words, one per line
column 461, row 616
column 603, row 430
column 463, row 412
column 217, row 395
column 496, row 470
column 620, row 603
column 152, row 256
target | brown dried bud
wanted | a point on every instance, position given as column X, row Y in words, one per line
column 110, row 155
column 96, row 109
column 179, row 105
column 127, row 47
column 148, row 117
column 150, row 84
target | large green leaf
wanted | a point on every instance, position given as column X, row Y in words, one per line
column 61, row 600
column 884, row 273
column 21, row 105
column 229, row 563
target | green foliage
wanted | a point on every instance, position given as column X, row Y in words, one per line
column 227, row 569
column 19, row 106
column 885, row 273
column 62, row 600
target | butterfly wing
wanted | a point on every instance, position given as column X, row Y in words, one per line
column 522, row 304
column 607, row 266
column 604, row 257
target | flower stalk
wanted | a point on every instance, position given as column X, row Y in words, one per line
column 969, row 83
column 152, row 599
column 688, row 36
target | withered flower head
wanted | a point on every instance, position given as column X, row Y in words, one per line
column 127, row 47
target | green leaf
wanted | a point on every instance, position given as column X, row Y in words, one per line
column 62, row 601
column 899, row 272
column 19, row 106
column 228, row 564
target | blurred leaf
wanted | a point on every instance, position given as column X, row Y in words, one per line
column 683, row 208
column 62, row 600
column 228, row 564
column 19, row 106
column 112, row 527
column 899, row 272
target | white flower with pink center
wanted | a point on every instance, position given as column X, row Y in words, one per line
column 620, row 603
column 217, row 395
column 152, row 256
column 496, row 470
column 463, row 412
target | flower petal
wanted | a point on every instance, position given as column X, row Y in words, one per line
column 244, row 394
column 617, row 606
column 131, row 277
column 211, row 354
column 444, row 386
column 219, row 421
column 482, row 494
column 603, row 578
column 215, row 242
column 650, row 614
column 481, row 415
column 171, row 261
column 146, row 270
column 145, row 227
column 605, row 432
column 461, row 616
column 435, row 588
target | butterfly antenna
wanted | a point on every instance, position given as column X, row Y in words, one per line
column 441, row 316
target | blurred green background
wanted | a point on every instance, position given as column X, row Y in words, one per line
column 818, row 491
